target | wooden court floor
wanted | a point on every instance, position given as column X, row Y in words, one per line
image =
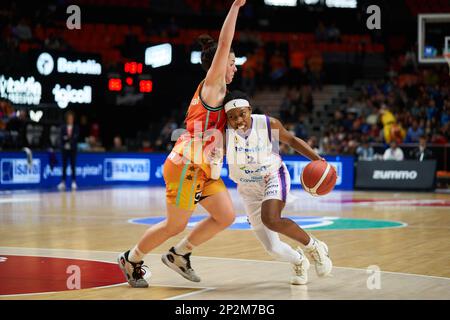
column 384, row 245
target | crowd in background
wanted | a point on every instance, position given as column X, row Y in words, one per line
column 409, row 104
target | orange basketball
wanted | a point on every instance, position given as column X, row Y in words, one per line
column 318, row 178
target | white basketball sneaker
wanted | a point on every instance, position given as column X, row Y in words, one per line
column 137, row 274
column 74, row 185
column 322, row 261
column 180, row 264
column 300, row 274
column 62, row 186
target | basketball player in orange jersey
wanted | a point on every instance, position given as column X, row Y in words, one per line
column 263, row 183
column 188, row 179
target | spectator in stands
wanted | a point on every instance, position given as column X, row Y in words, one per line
column 173, row 30
column 53, row 42
column 445, row 115
column 146, row 146
column 94, row 145
column 350, row 146
column 414, row 132
column 440, row 136
column 315, row 66
column 150, row 29
column 300, row 128
column 321, row 32
column 365, row 152
column 118, row 145
column 393, row 152
column 421, row 152
column 431, row 109
column 372, row 117
column 333, row 33
column 286, row 106
column 16, row 127
column 84, row 128
column 95, row 130
column 277, row 69
column 410, row 61
column 167, row 130
column 22, row 30
column 391, row 129
column 305, row 99
column 348, row 121
column 68, row 140
column 249, row 75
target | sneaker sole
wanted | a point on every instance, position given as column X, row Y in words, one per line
column 175, row 268
column 296, row 282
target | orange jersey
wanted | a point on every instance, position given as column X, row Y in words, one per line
column 202, row 121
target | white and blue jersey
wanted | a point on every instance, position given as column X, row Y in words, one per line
column 256, row 167
column 250, row 158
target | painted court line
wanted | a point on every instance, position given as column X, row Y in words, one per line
column 203, row 257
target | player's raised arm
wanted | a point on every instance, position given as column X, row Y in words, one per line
column 217, row 71
column 296, row 143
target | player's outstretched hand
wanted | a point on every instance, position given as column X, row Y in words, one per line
column 216, row 155
column 239, row 3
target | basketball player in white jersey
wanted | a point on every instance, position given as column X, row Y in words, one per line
column 263, row 182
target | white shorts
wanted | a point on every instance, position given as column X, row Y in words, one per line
column 253, row 194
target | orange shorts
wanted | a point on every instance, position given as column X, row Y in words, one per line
column 187, row 184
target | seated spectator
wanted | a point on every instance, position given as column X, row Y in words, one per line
column 168, row 128
column 365, row 152
column 391, row 129
column 321, row 32
column 315, row 67
column 372, row 118
column 278, row 68
column 431, row 109
column 300, row 129
column 393, row 152
column 22, row 30
column 94, row 145
column 118, row 145
column 421, row 152
column 146, row 146
column 312, row 142
column 440, row 136
column 414, row 132
column 333, row 33
column 286, row 107
column 445, row 115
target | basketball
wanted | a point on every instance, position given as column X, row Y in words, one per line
column 318, row 178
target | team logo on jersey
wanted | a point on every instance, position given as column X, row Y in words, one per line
column 197, row 197
column 306, row 222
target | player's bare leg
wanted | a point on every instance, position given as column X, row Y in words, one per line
column 318, row 250
column 222, row 215
column 131, row 262
column 221, row 211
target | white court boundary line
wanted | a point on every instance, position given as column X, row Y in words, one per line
column 204, row 289
column 206, row 257
column 86, row 259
